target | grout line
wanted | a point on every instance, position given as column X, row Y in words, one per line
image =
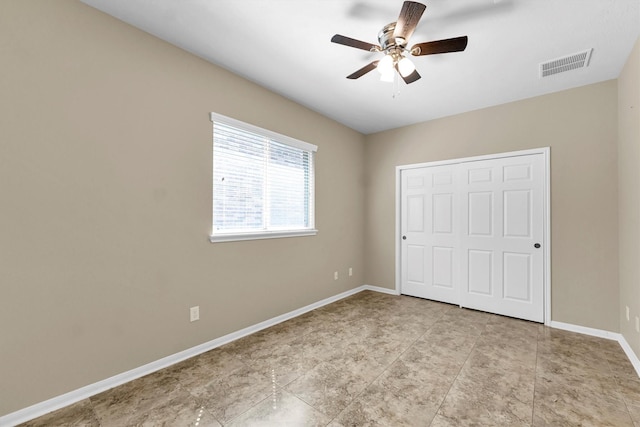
column 535, row 375
column 387, row 367
column 459, row 370
column 618, row 389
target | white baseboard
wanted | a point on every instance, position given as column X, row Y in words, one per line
column 633, row 358
column 630, row 354
column 379, row 289
column 600, row 333
column 82, row 393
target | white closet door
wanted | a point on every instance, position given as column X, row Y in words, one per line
column 472, row 234
column 502, row 211
column 430, row 233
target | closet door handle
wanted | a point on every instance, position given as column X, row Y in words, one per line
column 404, row 237
column 537, row 245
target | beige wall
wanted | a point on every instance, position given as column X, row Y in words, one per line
column 105, row 180
column 580, row 126
column 629, row 190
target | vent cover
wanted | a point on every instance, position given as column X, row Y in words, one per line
column 566, row 63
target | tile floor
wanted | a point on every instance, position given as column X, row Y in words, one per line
column 380, row 360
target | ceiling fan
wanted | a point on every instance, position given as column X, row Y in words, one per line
column 393, row 40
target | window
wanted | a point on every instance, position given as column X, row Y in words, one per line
column 263, row 183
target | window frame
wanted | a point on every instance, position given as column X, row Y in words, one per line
column 263, row 234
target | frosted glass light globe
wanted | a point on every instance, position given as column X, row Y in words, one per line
column 405, row 66
column 385, row 65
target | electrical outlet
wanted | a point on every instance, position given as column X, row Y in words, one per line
column 335, row 275
column 194, row 313
column 350, row 271
column 637, row 324
column 627, row 313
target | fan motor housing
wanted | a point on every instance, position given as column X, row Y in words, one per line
column 386, row 39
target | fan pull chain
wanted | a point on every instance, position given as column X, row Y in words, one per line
column 396, row 86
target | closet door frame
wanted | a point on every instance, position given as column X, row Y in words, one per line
column 546, row 244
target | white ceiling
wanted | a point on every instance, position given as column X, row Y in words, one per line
column 284, row 45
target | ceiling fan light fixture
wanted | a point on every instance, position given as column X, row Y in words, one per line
column 385, row 65
column 405, row 67
column 393, row 39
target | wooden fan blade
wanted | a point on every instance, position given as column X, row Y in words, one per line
column 456, row 44
column 348, row 41
column 411, row 77
column 362, row 71
column 408, row 20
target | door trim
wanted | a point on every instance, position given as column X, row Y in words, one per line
column 546, row 197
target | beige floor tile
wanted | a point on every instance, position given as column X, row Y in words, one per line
column 384, row 405
column 80, row 414
column 280, row 409
column 329, row 388
column 630, row 389
column 634, row 411
column 229, row 396
column 115, row 406
column 468, row 404
column 579, row 400
column 285, row 364
column 184, row 410
column 200, row 369
column 462, row 321
column 407, row 381
column 434, row 359
column 495, row 355
column 620, row 365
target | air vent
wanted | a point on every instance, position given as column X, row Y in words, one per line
column 566, row 63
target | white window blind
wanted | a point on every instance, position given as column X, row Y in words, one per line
column 263, row 183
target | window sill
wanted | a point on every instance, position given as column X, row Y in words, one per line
column 219, row 238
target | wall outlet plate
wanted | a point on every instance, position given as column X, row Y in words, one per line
column 627, row 307
column 194, row 313
column 335, row 275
